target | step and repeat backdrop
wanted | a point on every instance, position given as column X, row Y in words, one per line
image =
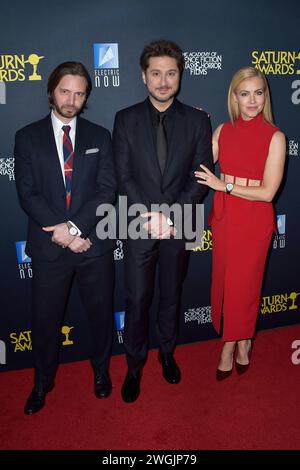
column 217, row 38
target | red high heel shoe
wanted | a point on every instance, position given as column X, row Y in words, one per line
column 242, row 368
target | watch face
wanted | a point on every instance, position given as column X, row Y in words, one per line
column 229, row 187
column 73, row 231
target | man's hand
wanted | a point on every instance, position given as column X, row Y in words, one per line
column 158, row 226
column 61, row 235
column 168, row 234
column 79, row 245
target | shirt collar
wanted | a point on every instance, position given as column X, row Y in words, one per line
column 154, row 112
column 57, row 123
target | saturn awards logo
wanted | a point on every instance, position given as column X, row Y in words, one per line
column 21, row 341
column 106, row 65
column 279, row 303
column 24, row 262
column 206, row 242
column 277, row 62
column 66, row 331
column 14, row 67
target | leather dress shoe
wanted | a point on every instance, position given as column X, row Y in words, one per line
column 131, row 387
column 102, row 384
column 171, row 371
column 36, row 400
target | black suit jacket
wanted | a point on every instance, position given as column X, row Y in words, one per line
column 137, row 167
column 41, row 189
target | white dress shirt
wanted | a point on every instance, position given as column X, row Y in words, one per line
column 58, row 134
column 57, row 125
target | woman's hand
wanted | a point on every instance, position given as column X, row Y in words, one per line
column 209, row 179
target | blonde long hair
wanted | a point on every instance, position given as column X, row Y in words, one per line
column 241, row 75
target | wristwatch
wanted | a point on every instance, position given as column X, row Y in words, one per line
column 72, row 229
column 229, row 188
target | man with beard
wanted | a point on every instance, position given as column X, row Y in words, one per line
column 158, row 144
column 64, row 171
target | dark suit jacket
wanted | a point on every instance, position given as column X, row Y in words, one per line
column 136, row 163
column 41, row 187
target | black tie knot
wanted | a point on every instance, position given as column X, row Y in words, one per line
column 161, row 118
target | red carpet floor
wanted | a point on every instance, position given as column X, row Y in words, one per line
column 260, row 410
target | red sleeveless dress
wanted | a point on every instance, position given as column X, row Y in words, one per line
column 241, row 229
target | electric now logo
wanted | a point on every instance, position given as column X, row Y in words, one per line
column 106, row 65
column 106, row 56
column 24, row 262
column 21, row 255
column 120, row 320
column 280, row 237
column 281, row 224
column 120, row 323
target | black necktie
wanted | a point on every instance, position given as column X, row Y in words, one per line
column 161, row 142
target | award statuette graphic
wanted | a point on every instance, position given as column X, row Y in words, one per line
column 293, row 296
column 34, row 59
column 66, row 331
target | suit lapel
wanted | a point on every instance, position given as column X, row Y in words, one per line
column 51, row 158
column 80, row 145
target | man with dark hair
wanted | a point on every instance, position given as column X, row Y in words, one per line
column 162, row 48
column 68, row 68
column 158, row 144
column 64, row 171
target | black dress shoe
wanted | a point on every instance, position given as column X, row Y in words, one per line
column 102, row 384
column 131, row 387
column 36, row 400
column 171, row 371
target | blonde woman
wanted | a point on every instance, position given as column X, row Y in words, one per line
column 251, row 154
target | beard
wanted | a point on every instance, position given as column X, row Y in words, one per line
column 164, row 99
column 67, row 111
